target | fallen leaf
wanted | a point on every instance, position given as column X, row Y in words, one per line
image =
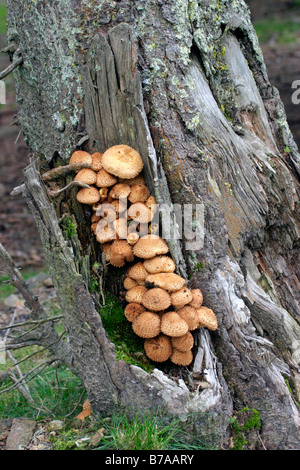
column 96, row 438
column 86, row 411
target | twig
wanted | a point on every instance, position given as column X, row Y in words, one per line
column 61, row 171
column 44, row 364
column 55, row 193
column 77, row 404
column 32, row 322
column 11, row 67
column 18, row 190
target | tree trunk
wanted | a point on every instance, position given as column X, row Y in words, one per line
column 185, row 84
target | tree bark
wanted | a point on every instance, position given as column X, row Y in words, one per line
column 185, row 84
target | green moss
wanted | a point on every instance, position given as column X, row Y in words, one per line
column 241, row 431
column 129, row 347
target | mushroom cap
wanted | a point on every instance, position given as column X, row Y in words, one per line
column 139, row 179
column 107, row 211
column 181, row 297
column 151, row 201
column 119, row 206
column 133, row 310
column 160, row 264
column 197, row 298
column 96, row 161
column 138, row 193
column 149, row 246
column 88, row 196
column 129, row 283
column 169, row 281
column 173, row 325
column 121, row 252
column 183, row 343
column 120, row 190
column 103, row 194
column 105, row 179
column 181, row 358
column 156, row 299
column 190, row 316
column 105, row 232
column 139, row 213
column 146, row 325
column 137, row 272
column 80, row 156
column 135, row 294
column 207, row 318
column 122, row 161
column 132, row 238
column 158, row 349
column 86, row 175
column 106, row 249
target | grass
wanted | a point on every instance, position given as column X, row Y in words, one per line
column 7, row 289
column 2, row 18
column 284, row 31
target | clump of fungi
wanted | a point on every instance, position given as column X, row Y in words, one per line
column 160, row 307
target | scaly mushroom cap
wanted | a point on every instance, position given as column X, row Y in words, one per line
column 79, row 156
column 183, row 343
column 181, row 297
column 135, row 294
column 181, row 358
column 169, row 281
column 149, row 246
column 122, row 161
column 151, row 201
column 131, row 181
column 173, row 325
column 137, row 272
column 106, row 249
column 133, row 310
column 139, row 213
column 86, row 176
column 207, row 318
column 105, row 179
column 160, row 264
column 96, row 161
column 190, row 316
column 158, row 349
column 120, row 190
column 88, row 196
column 138, row 193
column 119, row 206
column 129, row 283
column 146, row 325
column 104, row 232
column 107, row 211
column 156, row 299
column 197, row 298
column 121, row 252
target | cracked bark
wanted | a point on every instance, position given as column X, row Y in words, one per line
column 184, row 83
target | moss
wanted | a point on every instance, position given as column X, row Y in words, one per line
column 243, row 424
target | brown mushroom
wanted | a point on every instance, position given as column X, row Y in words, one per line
column 149, row 246
column 120, row 226
column 138, row 193
column 137, row 272
column 156, row 299
column 146, row 325
column 86, row 176
column 119, row 205
column 129, row 283
column 190, row 316
column 181, row 358
column 139, row 213
column 105, row 179
column 160, row 264
column 103, row 194
column 151, row 203
column 132, row 238
column 135, row 294
column 158, row 349
column 121, row 252
column 107, row 211
column 181, row 297
column 122, row 161
column 207, row 318
column 105, row 232
column 173, row 325
column 197, row 298
column 106, row 249
column 120, row 190
column 88, row 196
column 169, row 281
column 139, row 179
column 133, row 310
column 80, row 156
column 183, row 343
column 96, row 161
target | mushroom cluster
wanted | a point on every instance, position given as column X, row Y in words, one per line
column 161, row 308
